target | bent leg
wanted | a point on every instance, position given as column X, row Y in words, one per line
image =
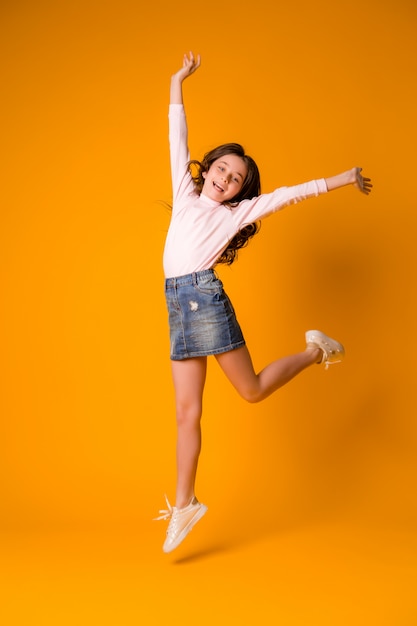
column 189, row 378
column 253, row 387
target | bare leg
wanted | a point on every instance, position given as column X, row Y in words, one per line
column 189, row 377
column 237, row 365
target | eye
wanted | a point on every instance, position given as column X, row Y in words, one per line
column 221, row 168
column 236, row 180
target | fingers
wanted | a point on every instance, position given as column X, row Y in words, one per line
column 366, row 186
column 363, row 183
column 190, row 62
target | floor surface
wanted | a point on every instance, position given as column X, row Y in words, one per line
column 324, row 574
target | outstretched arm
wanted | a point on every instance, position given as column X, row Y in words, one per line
column 189, row 65
column 350, row 177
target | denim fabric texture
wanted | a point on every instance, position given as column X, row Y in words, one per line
column 202, row 320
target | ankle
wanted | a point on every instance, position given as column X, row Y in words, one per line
column 316, row 353
column 182, row 503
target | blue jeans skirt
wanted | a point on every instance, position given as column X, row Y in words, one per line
column 202, row 320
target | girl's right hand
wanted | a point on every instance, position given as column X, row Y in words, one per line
column 189, row 65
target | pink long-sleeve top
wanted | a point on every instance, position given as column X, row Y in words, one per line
column 201, row 228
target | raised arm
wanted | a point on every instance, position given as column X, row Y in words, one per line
column 189, row 65
column 350, row 177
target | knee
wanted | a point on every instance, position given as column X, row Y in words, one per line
column 251, row 395
column 188, row 414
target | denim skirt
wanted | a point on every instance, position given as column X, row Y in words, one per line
column 202, row 320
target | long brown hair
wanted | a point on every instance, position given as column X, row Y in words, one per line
column 250, row 189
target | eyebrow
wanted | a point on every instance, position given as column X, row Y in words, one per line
column 238, row 173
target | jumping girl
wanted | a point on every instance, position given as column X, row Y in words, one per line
column 216, row 206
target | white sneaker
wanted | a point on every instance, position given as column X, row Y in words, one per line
column 333, row 351
column 181, row 521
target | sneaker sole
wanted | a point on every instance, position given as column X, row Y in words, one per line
column 197, row 517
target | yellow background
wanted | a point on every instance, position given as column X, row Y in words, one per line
column 311, row 495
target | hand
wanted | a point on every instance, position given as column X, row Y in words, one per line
column 189, row 65
column 361, row 183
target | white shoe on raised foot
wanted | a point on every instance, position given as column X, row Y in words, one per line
column 181, row 521
column 333, row 351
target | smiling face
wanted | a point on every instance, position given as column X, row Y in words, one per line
column 225, row 178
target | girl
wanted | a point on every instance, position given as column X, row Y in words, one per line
column 216, row 204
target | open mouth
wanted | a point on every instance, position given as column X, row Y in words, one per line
column 217, row 187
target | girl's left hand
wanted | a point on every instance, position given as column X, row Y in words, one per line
column 189, row 65
column 361, row 183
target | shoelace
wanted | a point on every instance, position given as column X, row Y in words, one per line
column 165, row 513
column 170, row 514
column 327, row 363
column 328, row 354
